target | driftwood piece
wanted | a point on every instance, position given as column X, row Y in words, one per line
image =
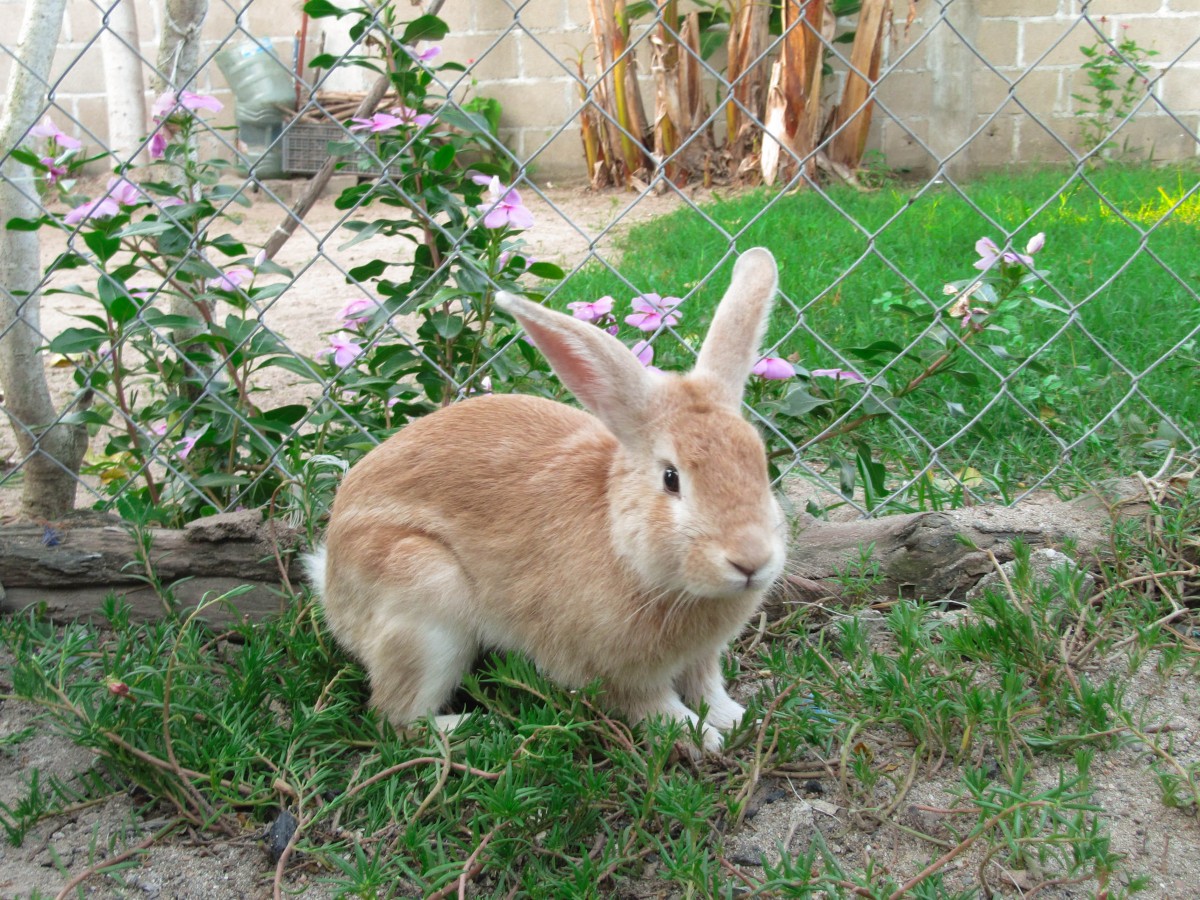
column 74, row 567
column 71, row 568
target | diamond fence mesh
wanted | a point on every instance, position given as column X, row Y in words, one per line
column 226, row 336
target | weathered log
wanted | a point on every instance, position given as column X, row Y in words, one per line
column 71, row 569
column 941, row 555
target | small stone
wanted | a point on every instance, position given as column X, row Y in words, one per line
column 280, row 834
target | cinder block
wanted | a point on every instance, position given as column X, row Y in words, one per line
column 990, row 90
column 1041, row 142
column 997, row 42
column 1098, row 8
column 488, row 59
column 544, row 105
column 554, row 153
column 995, row 145
column 901, row 148
column 1022, row 8
column 78, row 70
column 1040, row 92
column 539, row 15
column 1054, row 43
column 1180, row 88
column 905, row 94
column 549, row 56
column 81, row 20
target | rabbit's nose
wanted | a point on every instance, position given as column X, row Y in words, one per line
column 747, row 568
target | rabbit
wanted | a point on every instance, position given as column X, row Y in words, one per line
column 630, row 542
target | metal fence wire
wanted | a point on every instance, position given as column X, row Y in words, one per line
column 158, row 385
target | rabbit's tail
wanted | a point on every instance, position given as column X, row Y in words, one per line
column 314, row 565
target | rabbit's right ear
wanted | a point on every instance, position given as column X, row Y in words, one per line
column 597, row 368
column 731, row 347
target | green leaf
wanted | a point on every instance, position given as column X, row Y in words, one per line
column 799, row 402
column 115, row 298
column 15, row 224
column 874, row 473
column 78, row 340
column 324, row 61
column 873, row 350
column 423, row 28
column 86, row 417
column 101, row 244
column 323, row 9
column 546, row 270
column 149, row 226
column 372, row 269
column 448, row 326
column 443, row 157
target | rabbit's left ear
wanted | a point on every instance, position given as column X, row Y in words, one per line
column 732, row 346
column 593, row 365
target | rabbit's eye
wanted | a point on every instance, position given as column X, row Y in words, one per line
column 671, row 480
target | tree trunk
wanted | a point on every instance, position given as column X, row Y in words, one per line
column 123, row 78
column 52, row 451
column 179, row 48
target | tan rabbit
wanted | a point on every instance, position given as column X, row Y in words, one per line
column 630, row 544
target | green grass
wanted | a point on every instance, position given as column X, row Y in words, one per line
column 1115, row 251
column 542, row 795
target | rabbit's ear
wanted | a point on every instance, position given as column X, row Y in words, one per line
column 597, row 368
column 732, row 346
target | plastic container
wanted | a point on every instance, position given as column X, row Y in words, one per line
column 264, row 93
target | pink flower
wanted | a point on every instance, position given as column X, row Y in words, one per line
column 645, row 355
column 592, row 312
column 159, row 428
column 652, row 312
column 100, row 208
column 344, row 350
column 422, row 55
column 411, row 117
column 193, row 102
column 378, row 122
column 231, row 279
column 164, row 202
column 352, row 311
column 185, row 445
column 772, row 368
column 53, row 172
column 47, row 129
column 158, row 145
column 125, row 192
column 503, row 208
column 838, row 375
column 989, row 253
column 167, row 102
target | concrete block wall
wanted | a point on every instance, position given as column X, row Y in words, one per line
column 1005, row 99
column 1013, row 96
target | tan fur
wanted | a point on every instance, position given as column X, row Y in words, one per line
column 517, row 523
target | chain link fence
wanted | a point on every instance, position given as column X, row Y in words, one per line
column 225, row 336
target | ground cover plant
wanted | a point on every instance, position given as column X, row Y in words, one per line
column 1083, row 351
column 1015, row 708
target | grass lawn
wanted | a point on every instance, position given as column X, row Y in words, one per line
column 1110, row 377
